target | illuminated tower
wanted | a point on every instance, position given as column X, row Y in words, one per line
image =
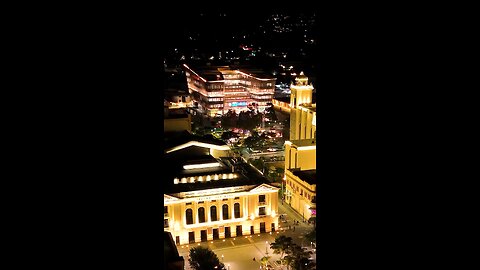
column 300, row 151
column 303, row 112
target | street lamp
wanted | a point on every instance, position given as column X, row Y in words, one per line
column 222, row 257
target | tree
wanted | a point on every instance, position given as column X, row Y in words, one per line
column 312, row 235
column 202, row 258
column 229, row 119
column 281, row 245
column 298, row 258
column 270, row 113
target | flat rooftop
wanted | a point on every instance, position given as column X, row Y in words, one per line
column 309, row 176
column 213, row 73
column 304, row 142
column 246, row 175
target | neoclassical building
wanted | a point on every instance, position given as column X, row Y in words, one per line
column 300, row 150
column 210, row 195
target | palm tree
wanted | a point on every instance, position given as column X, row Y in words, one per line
column 298, row 258
column 202, row 258
column 281, row 245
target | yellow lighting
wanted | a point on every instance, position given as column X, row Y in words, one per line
column 252, row 216
column 192, row 179
column 273, row 213
column 200, row 144
column 310, row 147
column 230, row 176
column 175, row 181
column 200, row 178
column 224, row 176
column 201, row 166
column 209, row 178
column 184, row 180
column 215, row 177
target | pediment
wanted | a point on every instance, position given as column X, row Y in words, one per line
column 264, row 188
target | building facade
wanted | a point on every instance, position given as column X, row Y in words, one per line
column 221, row 213
column 300, row 151
column 216, row 90
column 210, row 195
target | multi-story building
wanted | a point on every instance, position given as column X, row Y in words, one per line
column 218, row 89
column 300, row 150
column 210, row 195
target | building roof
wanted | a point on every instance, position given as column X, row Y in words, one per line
column 304, row 142
column 173, row 139
column 246, row 175
column 213, row 73
column 309, row 176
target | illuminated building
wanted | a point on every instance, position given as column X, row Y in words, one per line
column 219, row 89
column 300, row 151
column 176, row 119
column 303, row 112
column 210, row 195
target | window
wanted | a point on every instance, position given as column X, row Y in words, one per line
column 261, row 199
column 201, row 215
column 189, row 216
column 261, row 211
column 165, row 223
column 236, row 210
column 213, row 213
column 165, row 210
column 225, row 211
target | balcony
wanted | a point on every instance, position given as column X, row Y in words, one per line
column 262, row 203
column 165, row 214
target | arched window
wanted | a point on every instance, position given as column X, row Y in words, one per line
column 225, row 211
column 201, row 214
column 236, row 209
column 213, row 213
column 189, row 216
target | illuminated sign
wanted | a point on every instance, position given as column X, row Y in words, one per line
column 237, row 104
